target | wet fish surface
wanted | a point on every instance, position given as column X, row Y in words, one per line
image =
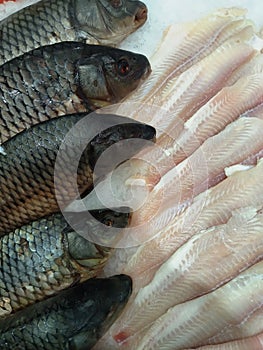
column 47, row 22
column 235, row 312
column 46, row 256
column 234, row 305
column 65, row 78
column 74, row 319
column 27, row 190
column 237, row 245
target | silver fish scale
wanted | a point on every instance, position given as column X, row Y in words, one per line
column 35, row 263
column 46, row 338
column 27, row 173
column 74, row 319
column 62, row 79
column 34, row 89
column 33, row 31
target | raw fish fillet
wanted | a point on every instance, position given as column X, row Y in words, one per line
column 255, row 343
column 226, row 159
column 187, row 274
column 191, row 91
column 212, row 207
column 244, row 97
column 222, row 109
column 232, row 331
column 203, row 169
column 182, row 46
column 197, row 85
column 194, row 322
column 255, row 112
column 253, row 66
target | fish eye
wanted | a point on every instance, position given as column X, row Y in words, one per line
column 108, row 222
column 123, row 67
column 116, row 3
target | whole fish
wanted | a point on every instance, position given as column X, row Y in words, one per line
column 64, row 78
column 47, row 255
column 27, row 161
column 74, row 319
column 47, row 22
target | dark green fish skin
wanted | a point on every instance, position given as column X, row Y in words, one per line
column 27, row 189
column 73, row 320
column 47, row 22
column 46, row 256
column 64, row 78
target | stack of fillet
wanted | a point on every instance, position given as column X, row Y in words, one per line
column 51, row 77
column 198, row 274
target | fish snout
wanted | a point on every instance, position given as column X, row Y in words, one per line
column 147, row 72
column 149, row 133
column 141, row 14
column 146, row 132
column 140, row 67
column 125, row 285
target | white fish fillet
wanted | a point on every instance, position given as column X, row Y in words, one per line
column 232, row 331
column 253, row 343
column 197, row 85
column 225, row 107
column 255, row 112
column 212, row 207
column 179, row 223
column 185, row 44
column 187, row 274
column 192, row 323
column 245, row 97
column 10, row 7
column 204, row 168
column 253, row 66
column 192, row 89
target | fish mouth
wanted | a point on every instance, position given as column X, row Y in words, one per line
column 141, row 15
column 125, row 285
column 147, row 72
column 149, row 133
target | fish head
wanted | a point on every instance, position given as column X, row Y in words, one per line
column 99, row 304
column 109, row 75
column 124, row 72
column 123, row 129
column 115, row 139
column 92, row 136
column 109, row 21
column 88, row 227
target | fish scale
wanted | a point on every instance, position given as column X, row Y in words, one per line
column 74, row 319
column 24, row 170
column 42, row 258
column 36, row 261
column 64, row 78
column 27, row 190
column 51, row 21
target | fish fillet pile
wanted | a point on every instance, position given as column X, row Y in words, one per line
column 197, row 267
